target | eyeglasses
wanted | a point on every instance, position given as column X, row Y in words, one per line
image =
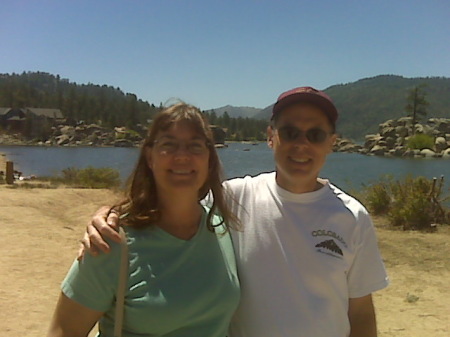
column 170, row 146
column 291, row 134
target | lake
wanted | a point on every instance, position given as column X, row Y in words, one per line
column 347, row 170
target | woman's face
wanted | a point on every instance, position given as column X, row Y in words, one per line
column 179, row 159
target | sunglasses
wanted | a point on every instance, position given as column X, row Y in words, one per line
column 291, row 134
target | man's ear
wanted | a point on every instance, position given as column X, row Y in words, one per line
column 270, row 135
column 333, row 139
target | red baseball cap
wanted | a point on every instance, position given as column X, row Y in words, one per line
column 309, row 95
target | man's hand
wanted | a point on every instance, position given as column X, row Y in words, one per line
column 103, row 224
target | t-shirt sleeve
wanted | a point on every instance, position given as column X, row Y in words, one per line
column 367, row 273
column 92, row 282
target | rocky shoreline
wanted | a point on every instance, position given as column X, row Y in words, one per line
column 391, row 140
column 393, row 136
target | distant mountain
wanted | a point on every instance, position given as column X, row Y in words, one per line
column 366, row 103
column 233, row 111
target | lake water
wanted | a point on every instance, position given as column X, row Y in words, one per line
column 347, row 170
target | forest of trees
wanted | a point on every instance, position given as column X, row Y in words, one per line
column 103, row 105
column 362, row 105
column 89, row 103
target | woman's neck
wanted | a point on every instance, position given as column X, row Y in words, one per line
column 180, row 216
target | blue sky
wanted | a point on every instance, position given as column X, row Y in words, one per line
column 212, row 53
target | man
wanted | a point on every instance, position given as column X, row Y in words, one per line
column 307, row 257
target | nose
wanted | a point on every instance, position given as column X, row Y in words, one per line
column 182, row 150
column 301, row 139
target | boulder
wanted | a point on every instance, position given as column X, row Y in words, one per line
column 67, row 130
column 378, row 150
column 446, row 154
column 405, row 121
column 419, row 128
column 64, row 139
column 401, row 131
column 390, row 142
column 349, row 147
column 440, row 144
column 371, row 140
column 398, row 151
column 123, row 143
column 387, row 131
column 388, row 124
column 428, row 153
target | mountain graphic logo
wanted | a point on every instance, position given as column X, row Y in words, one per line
column 331, row 246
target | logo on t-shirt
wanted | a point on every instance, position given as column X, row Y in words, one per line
column 329, row 246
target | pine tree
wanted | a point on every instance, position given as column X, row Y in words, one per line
column 416, row 104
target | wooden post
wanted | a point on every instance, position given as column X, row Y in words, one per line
column 9, row 172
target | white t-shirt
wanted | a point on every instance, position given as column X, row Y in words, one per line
column 300, row 258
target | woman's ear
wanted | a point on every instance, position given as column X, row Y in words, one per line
column 148, row 157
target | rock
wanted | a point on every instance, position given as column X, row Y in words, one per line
column 349, row 148
column 387, row 131
column 378, row 150
column 123, row 143
column 390, row 142
column 446, row 153
column 428, row 153
column 440, row 144
column 409, row 153
column 419, row 128
column 401, row 131
column 67, row 130
column 398, row 151
column 371, row 140
column 405, row 121
column 64, row 139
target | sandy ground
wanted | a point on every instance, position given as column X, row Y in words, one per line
column 41, row 229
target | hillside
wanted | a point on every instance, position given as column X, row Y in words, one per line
column 366, row 103
column 363, row 104
column 89, row 103
column 234, row 112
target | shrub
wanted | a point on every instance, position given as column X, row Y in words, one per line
column 420, row 142
column 90, row 177
column 378, row 197
column 98, row 178
column 413, row 203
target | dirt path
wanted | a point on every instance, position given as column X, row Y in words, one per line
column 41, row 229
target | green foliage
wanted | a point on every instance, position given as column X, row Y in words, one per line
column 378, row 197
column 420, row 142
column 366, row 103
column 239, row 128
column 99, row 177
column 86, row 102
column 417, row 103
column 412, row 203
column 89, row 177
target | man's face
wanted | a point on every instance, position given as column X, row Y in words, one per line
column 299, row 159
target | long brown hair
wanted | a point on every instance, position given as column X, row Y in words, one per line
column 141, row 196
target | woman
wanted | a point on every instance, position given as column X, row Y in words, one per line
column 182, row 274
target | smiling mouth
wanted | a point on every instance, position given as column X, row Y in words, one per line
column 181, row 172
column 300, row 160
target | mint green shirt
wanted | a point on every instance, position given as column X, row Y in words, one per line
column 175, row 287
